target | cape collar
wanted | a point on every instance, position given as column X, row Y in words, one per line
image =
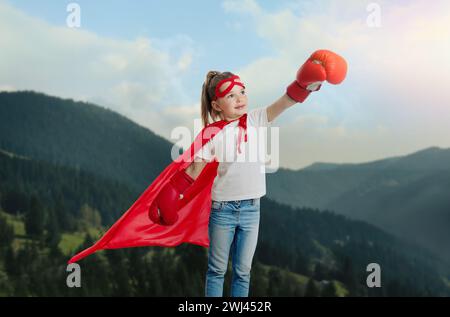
column 242, row 125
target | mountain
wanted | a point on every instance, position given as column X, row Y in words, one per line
column 306, row 242
column 81, row 135
column 64, row 188
column 408, row 196
column 75, row 148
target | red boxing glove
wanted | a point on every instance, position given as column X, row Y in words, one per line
column 164, row 209
column 321, row 65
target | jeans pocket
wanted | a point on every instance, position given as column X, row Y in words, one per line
column 216, row 205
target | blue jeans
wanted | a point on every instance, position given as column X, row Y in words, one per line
column 233, row 225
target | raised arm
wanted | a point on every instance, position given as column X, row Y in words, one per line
column 321, row 65
column 275, row 109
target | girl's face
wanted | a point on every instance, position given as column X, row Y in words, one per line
column 234, row 104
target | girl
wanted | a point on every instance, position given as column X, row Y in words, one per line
column 240, row 182
column 235, row 181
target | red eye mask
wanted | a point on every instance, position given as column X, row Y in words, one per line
column 233, row 81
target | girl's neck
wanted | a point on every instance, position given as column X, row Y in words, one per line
column 227, row 119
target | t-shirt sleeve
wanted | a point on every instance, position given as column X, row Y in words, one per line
column 259, row 117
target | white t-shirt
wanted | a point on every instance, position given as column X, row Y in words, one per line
column 239, row 175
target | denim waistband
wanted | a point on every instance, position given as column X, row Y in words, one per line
column 237, row 203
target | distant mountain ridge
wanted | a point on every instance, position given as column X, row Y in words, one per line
column 405, row 195
column 81, row 135
column 300, row 240
column 408, row 196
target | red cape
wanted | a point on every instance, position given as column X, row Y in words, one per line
column 135, row 229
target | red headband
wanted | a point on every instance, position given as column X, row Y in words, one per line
column 219, row 94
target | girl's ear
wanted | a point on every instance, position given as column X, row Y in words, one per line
column 216, row 106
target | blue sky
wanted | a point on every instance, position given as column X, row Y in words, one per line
column 147, row 60
column 213, row 30
column 205, row 22
column 126, row 19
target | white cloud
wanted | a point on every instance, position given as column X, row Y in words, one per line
column 137, row 78
column 185, row 61
column 395, row 98
column 243, row 6
column 8, row 88
column 394, row 101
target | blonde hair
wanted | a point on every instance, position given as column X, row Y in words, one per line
column 208, row 93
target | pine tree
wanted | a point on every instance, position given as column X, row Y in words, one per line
column 258, row 284
column 35, row 219
column 311, row 289
column 329, row 290
column 320, row 272
column 53, row 233
column 66, row 221
column 10, row 262
column 274, row 288
column 6, row 233
column 90, row 217
column 14, row 202
column 349, row 277
column 5, row 284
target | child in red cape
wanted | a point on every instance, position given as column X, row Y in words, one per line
column 178, row 207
